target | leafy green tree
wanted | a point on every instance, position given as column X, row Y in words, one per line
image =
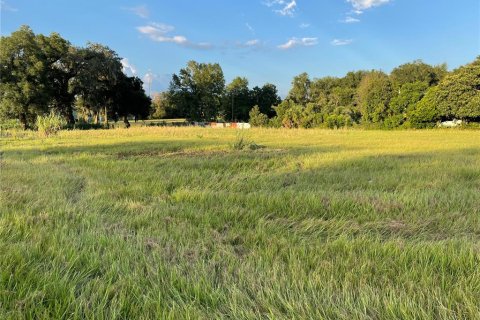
column 99, row 72
column 425, row 113
column 374, row 94
column 62, row 65
column 237, row 102
column 258, row 119
column 311, row 116
column 456, row 96
column 266, row 98
column 300, row 92
column 458, row 93
column 197, row 90
column 405, row 101
column 417, row 71
column 23, row 93
column 130, row 99
column 160, row 105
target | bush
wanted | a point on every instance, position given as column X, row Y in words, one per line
column 257, row 119
column 338, row 121
column 393, row 122
column 10, row 124
column 50, row 124
column 82, row 125
column 241, row 143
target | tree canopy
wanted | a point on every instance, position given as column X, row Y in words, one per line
column 43, row 74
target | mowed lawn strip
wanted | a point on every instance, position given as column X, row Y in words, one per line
column 178, row 223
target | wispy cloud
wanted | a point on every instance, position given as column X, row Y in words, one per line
column 4, row 6
column 128, row 68
column 282, row 7
column 162, row 33
column 141, row 11
column 360, row 5
column 304, row 25
column 341, row 42
column 298, row 42
column 250, row 28
column 252, row 43
column 350, row 20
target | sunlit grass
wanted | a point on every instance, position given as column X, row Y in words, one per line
column 177, row 223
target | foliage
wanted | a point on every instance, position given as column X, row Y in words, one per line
column 42, row 74
column 242, row 143
column 374, row 94
column 50, row 124
column 258, row 119
column 265, row 98
column 407, row 97
column 335, row 121
column 23, row 77
column 197, row 90
column 300, row 92
column 130, row 99
column 426, row 112
column 417, row 71
column 458, row 94
column 237, row 101
column 160, row 105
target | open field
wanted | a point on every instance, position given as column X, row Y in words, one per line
column 174, row 223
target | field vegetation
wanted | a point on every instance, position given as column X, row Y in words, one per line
column 182, row 223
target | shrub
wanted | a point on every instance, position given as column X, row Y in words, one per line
column 83, row 125
column 338, row 121
column 241, row 143
column 258, row 119
column 10, row 124
column 50, row 124
column 394, row 121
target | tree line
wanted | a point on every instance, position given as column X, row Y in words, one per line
column 199, row 93
column 45, row 74
column 413, row 95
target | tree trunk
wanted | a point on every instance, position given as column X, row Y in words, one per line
column 23, row 121
column 125, row 120
column 106, row 116
column 69, row 116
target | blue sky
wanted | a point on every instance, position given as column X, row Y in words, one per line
column 263, row 40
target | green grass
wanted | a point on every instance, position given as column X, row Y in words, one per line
column 178, row 223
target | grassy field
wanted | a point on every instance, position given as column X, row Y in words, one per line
column 175, row 223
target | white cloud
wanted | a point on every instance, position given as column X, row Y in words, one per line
column 360, row 5
column 128, row 68
column 298, row 42
column 288, row 9
column 141, row 11
column 282, row 7
column 4, row 6
column 350, row 20
column 161, row 33
column 304, row 25
column 341, row 42
column 254, row 43
column 251, row 43
column 148, row 78
column 249, row 27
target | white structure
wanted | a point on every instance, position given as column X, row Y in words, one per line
column 451, row 124
column 243, row 125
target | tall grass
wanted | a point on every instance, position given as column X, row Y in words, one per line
column 174, row 223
